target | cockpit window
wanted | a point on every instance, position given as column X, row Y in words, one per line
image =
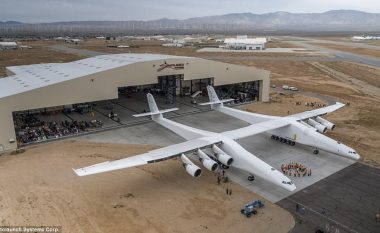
column 290, row 183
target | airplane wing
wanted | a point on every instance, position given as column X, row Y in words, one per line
column 153, row 156
column 318, row 112
column 256, row 128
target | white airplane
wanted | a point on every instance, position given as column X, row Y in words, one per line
column 210, row 148
column 304, row 128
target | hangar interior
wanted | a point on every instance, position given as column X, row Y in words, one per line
column 53, row 106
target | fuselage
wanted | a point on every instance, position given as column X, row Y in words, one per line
column 295, row 131
column 243, row 159
column 305, row 135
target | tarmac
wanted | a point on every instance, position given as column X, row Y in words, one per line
column 346, row 201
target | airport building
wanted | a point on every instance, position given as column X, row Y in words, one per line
column 8, row 45
column 245, row 43
column 30, row 90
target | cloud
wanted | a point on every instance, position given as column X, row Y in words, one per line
column 72, row 10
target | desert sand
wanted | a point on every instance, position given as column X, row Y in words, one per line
column 38, row 187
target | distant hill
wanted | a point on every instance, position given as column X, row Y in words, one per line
column 336, row 20
column 10, row 23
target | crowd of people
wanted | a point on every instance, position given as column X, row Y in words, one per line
column 311, row 104
column 295, row 169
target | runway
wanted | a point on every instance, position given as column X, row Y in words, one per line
column 340, row 55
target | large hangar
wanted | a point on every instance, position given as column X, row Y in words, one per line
column 43, row 86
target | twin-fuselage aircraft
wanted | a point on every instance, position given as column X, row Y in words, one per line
column 215, row 150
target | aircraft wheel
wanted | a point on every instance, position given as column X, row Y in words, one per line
column 316, row 152
column 242, row 211
column 293, row 143
column 281, row 139
column 273, row 137
column 251, row 178
column 254, row 212
column 277, row 138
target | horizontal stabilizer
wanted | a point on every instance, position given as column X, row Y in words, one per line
column 217, row 102
column 155, row 113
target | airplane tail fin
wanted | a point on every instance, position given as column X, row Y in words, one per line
column 154, row 111
column 214, row 99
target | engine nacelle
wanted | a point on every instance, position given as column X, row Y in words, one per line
column 193, row 170
column 326, row 123
column 190, row 167
column 208, row 163
column 222, row 157
column 319, row 127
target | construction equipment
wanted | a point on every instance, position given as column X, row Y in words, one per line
column 251, row 208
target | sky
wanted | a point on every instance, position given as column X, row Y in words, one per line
column 37, row 11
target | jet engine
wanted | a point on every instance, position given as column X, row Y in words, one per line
column 208, row 163
column 324, row 122
column 222, row 156
column 319, row 127
column 190, row 167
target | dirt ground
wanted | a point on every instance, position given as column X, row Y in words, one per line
column 37, row 54
column 283, row 105
column 38, row 187
column 357, row 50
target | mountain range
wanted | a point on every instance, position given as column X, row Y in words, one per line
column 336, row 20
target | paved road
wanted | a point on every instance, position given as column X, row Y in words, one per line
column 222, row 57
column 344, row 202
column 340, row 55
column 344, row 43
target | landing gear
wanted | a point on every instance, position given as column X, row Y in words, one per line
column 316, row 151
column 224, row 166
column 251, row 177
column 283, row 140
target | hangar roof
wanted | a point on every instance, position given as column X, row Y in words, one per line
column 6, row 43
column 245, row 40
column 31, row 77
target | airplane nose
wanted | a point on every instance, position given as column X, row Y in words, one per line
column 356, row 156
column 290, row 187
